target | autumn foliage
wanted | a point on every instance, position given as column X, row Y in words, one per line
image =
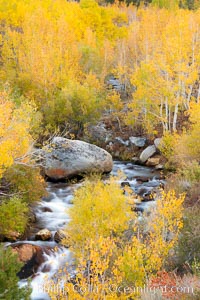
column 60, row 54
column 100, row 218
column 14, row 131
column 56, row 60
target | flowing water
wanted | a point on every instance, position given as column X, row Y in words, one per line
column 52, row 213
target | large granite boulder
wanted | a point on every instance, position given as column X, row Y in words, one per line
column 147, row 153
column 65, row 158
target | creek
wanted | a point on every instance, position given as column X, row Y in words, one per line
column 52, row 213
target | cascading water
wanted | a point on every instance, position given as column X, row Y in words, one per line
column 52, row 213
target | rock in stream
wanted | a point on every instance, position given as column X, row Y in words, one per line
column 65, row 158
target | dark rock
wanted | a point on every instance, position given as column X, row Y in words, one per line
column 141, row 191
column 31, row 256
column 59, row 235
column 43, row 235
column 135, row 160
column 46, row 268
column 46, row 209
column 12, row 236
column 149, row 196
column 125, row 183
column 32, row 217
column 137, row 209
column 48, row 198
column 141, row 179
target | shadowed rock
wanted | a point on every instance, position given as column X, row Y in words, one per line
column 31, row 256
column 60, row 235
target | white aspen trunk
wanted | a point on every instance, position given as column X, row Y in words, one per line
column 175, row 117
column 161, row 116
column 184, row 95
column 176, row 106
column 167, row 125
column 198, row 95
column 124, row 65
column 166, row 114
column 184, row 90
column 189, row 97
column 169, row 119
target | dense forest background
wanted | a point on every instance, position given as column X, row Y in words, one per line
column 58, row 59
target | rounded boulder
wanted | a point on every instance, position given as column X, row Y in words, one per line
column 65, row 158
